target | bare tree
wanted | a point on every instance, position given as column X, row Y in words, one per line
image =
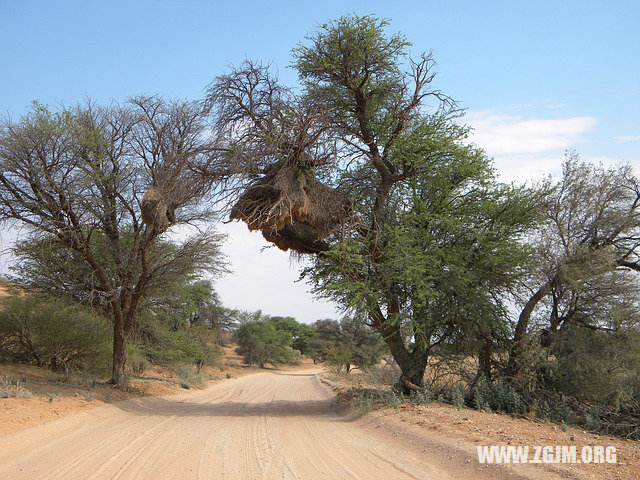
column 276, row 145
column 586, row 247
column 106, row 183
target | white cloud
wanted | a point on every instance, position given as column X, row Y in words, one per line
column 627, row 138
column 526, row 148
column 521, row 168
column 514, row 135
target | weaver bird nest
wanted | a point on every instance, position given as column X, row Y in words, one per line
column 292, row 209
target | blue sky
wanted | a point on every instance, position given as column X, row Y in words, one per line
column 536, row 77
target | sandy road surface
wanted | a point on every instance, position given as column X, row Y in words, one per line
column 276, row 425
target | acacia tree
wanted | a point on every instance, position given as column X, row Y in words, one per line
column 428, row 244
column 585, row 257
column 434, row 247
column 348, row 343
column 261, row 342
column 104, row 184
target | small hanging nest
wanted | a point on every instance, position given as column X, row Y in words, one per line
column 157, row 212
column 293, row 210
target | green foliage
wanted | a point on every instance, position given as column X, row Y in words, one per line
column 261, row 343
column 482, row 395
column 54, row 332
column 366, row 400
column 422, row 396
column 350, row 51
column 597, row 366
column 458, row 395
column 301, row 334
column 53, row 396
column 340, row 357
column 562, row 411
column 509, row 400
column 497, row 396
column 544, row 410
column 346, row 344
column 591, row 419
column 163, row 343
column 382, row 374
column 174, row 329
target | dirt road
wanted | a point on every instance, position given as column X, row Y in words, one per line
column 275, row 425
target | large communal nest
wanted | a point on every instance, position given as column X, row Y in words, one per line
column 292, row 209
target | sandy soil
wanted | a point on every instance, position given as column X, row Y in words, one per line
column 54, row 395
column 270, row 425
column 453, row 435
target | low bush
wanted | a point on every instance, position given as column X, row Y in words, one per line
column 365, row 400
column 189, row 378
column 458, row 395
column 53, row 332
column 380, row 375
column 13, row 388
column 498, row 396
column 160, row 344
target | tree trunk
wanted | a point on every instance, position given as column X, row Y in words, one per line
column 412, row 373
column 484, row 358
column 412, row 363
column 519, row 337
column 120, row 356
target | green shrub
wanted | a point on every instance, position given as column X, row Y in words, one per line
column 482, row 395
column 394, row 399
column 87, row 379
column 508, row 400
column 544, row 410
column 382, row 375
column 562, row 412
column 54, row 332
column 366, row 400
column 163, row 345
column 138, row 362
column 591, row 419
column 501, row 397
column 422, row 396
column 53, row 396
column 261, row 343
column 458, row 395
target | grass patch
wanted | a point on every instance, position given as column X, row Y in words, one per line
column 189, row 378
column 13, row 388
